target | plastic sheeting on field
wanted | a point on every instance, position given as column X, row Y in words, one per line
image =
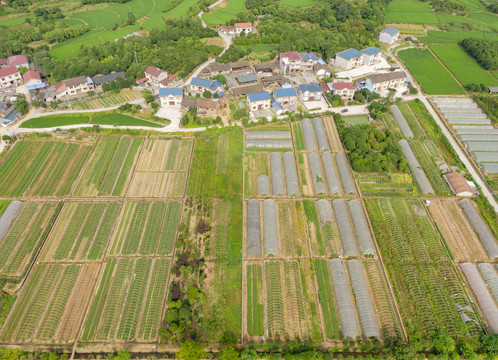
column 265, row 135
column 277, row 174
column 364, row 305
column 309, row 136
column 330, row 173
column 316, row 173
column 486, row 303
column 324, row 211
column 416, row 169
column 9, row 214
column 253, row 228
column 263, row 184
column 345, row 174
column 490, row 277
column 269, row 144
column 321, row 136
column 270, row 227
column 487, row 240
column 403, row 125
column 345, row 230
column 361, row 228
column 291, row 179
column 345, row 307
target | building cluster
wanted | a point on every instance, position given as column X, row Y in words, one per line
column 353, row 58
column 237, row 29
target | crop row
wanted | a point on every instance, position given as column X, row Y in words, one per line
column 255, row 308
column 294, row 299
column 274, row 299
column 326, row 299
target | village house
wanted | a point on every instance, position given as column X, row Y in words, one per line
column 32, row 78
column 155, row 75
column 267, row 68
column 243, row 28
column 16, row 60
column 246, row 90
column 199, row 85
column 279, row 109
column 259, row 101
column 247, row 79
column 349, row 59
column 345, row 90
column 74, row 86
column 379, row 82
column 371, row 55
column 389, row 35
column 98, row 81
column 290, row 62
column 227, row 30
column 187, row 103
column 322, row 70
column 458, row 184
column 207, row 107
column 308, row 60
column 285, row 96
column 10, row 76
column 171, row 96
column 310, row 92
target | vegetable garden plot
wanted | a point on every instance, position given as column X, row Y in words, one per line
column 430, row 168
column 146, row 228
column 256, row 164
column 158, row 184
column 24, row 237
column 255, row 308
column 82, row 231
column 327, row 301
column 270, row 228
column 323, row 233
column 9, row 214
column 108, row 171
column 51, row 305
column 274, row 300
column 127, row 305
column 41, row 168
column 391, row 184
column 457, row 232
column 165, row 155
column 253, row 228
column 292, row 228
column 416, row 169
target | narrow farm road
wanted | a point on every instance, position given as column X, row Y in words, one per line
column 210, row 7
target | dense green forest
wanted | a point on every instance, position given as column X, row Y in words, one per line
column 484, row 51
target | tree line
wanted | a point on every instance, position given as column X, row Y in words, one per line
column 484, row 51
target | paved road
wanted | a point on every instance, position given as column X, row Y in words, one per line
column 202, row 12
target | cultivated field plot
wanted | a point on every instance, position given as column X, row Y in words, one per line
column 109, row 100
column 162, row 169
column 146, row 228
column 41, row 168
column 82, row 232
column 128, row 302
column 428, row 290
column 24, row 237
column 457, row 232
column 223, row 14
column 108, row 172
column 413, row 12
column 389, row 184
column 51, row 305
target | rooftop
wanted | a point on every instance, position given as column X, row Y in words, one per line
column 350, row 54
column 243, row 25
column 284, row 93
column 206, row 83
column 17, row 60
column 8, row 71
column 244, row 90
column 372, row 50
column 99, row 80
column 342, row 86
column 391, row 31
column 247, row 79
column 310, row 88
column 263, row 95
column 206, row 104
column 30, row 75
column 458, row 183
column 291, row 55
column 154, row 71
column 75, row 81
column 170, row 91
column 396, row 75
column 308, row 56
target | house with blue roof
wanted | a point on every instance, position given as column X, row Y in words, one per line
column 371, row 55
column 349, row 59
column 259, row 101
column 310, row 92
column 171, row 96
column 389, row 35
column 279, row 110
column 308, row 60
column 199, row 85
column 285, row 97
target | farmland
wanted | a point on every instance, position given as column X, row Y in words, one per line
column 222, row 15
column 86, row 118
column 110, row 99
column 429, row 73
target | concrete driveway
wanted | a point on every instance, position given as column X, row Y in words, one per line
column 171, row 113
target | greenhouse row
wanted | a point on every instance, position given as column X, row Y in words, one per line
column 419, row 174
column 309, row 136
column 487, row 240
column 333, row 183
column 269, row 144
column 484, row 299
column 310, row 131
column 321, row 136
column 291, row 179
column 361, row 299
column 253, row 227
column 345, row 174
column 361, row 228
column 345, row 230
column 490, row 277
column 270, row 227
column 402, row 124
column 266, row 135
column 9, row 214
column 277, row 174
column 324, row 211
column 316, row 173
column 263, row 184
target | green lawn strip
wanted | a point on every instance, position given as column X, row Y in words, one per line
column 297, row 3
column 85, row 118
column 326, row 299
column 453, row 37
column 429, row 73
column 312, row 216
column 356, row 119
column 414, row 12
column 463, row 67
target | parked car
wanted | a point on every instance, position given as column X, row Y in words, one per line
column 344, row 110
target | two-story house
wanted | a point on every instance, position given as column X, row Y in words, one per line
column 171, row 96
column 199, row 85
column 155, row 75
column 259, row 101
column 18, row 61
column 345, row 90
column 308, row 60
column 243, row 28
column 285, row 96
column 310, row 92
column 10, row 76
column 32, row 78
column 371, row 55
column 386, row 81
column 389, row 35
column 74, row 86
column 290, row 62
column 349, row 59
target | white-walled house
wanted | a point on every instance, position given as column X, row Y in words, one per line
column 310, row 92
column 345, row 90
column 285, row 96
column 171, row 96
column 371, row 55
column 32, row 78
column 389, row 35
column 73, row 86
column 392, row 80
column 10, row 76
column 349, row 59
column 259, row 101
column 243, row 27
column 155, row 75
column 290, row 62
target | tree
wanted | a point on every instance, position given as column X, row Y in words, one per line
column 404, row 352
column 207, row 94
column 489, row 344
column 228, row 353
column 130, row 20
column 191, row 350
column 442, row 343
column 21, row 105
column 148, row 96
